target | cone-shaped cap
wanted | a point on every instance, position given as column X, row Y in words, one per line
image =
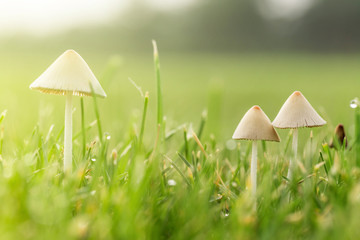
column 297, row 112
column 69, row 73
column 255, row 125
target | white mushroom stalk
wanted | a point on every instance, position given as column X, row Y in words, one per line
column 255, row 125
column 69, row 76
column 253, row 168
column 297, row 113
column 68, row 134
column 293, row 159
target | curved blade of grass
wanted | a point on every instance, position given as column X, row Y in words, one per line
column 137, row 87
column 197, row 140
column 172, row 132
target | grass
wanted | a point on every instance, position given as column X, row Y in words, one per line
column 196, row 185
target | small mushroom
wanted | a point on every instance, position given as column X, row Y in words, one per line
column 296, row 113
column 69, row 75
column 339, row 138
column 254, row 126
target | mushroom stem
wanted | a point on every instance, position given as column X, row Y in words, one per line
column 294, row 149
column 253, row 167
column 68, row 134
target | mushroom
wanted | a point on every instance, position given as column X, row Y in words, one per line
column 254, row 126
column 69, row 75
column 339, row 138
column 296, row 113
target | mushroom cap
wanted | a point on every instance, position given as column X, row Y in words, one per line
column 297, row 112
column 255, row 125
column 69, row 73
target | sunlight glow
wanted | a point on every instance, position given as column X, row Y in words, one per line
column 285, row 9
column 43, row 16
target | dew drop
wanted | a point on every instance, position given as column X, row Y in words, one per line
column 93, row 159
column 354, row 103
column 171, row 182
column 107, row 136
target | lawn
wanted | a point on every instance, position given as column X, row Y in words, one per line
column 170, row 188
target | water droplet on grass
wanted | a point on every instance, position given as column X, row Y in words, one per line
column 354, row 103
column 171, row 182
column 93, row 159
column 107, row 136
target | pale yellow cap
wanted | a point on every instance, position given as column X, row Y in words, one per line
column 69, row 73
column 255, row 125
column 297, row 112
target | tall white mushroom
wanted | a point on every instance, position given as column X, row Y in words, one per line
column 296, row 113
column 255, row 125
column 69, row 75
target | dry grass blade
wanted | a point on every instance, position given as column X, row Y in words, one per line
column 199, row 144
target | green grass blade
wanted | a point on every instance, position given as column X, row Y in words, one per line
column 322, row 160
column 141, row 136
column 357, row 135
column 184, row 160
column 2, row 117
column 201, row 127
column 186, row 144
column 83, row 127
column 97, row 114
column 160, row 115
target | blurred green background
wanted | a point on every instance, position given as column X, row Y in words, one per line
column 223, row 56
